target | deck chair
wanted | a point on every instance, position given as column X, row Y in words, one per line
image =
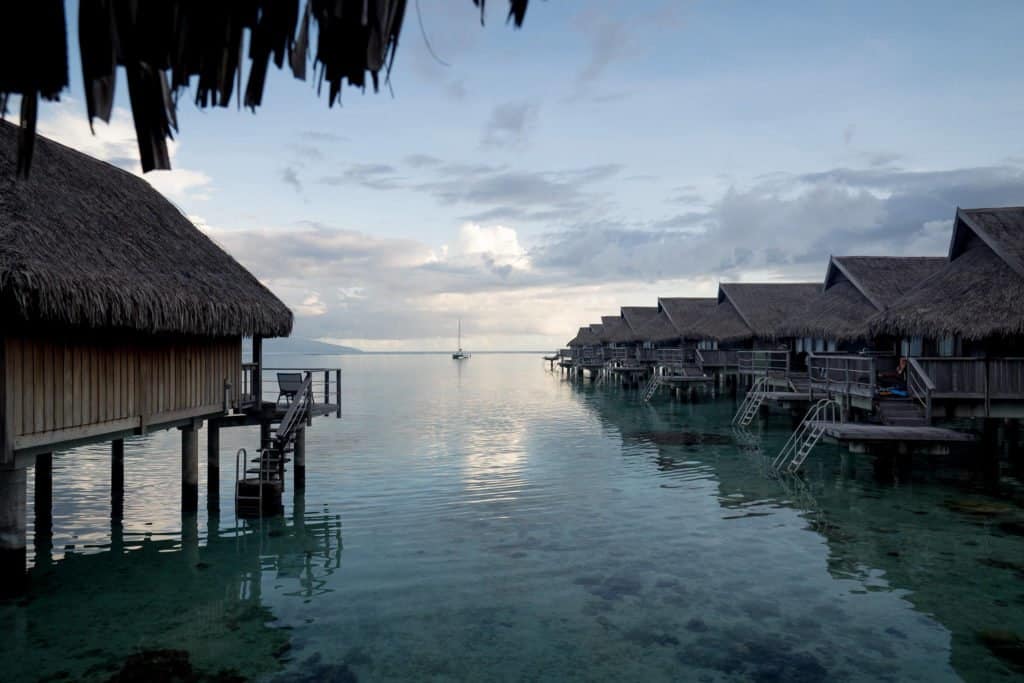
column 289, row 384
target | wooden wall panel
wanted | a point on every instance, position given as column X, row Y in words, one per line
column 57, row 384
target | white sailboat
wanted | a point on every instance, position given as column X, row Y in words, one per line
column 460, row 354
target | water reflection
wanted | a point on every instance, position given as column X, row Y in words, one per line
column 516, row 526
column 941, row 539
column 87, row 613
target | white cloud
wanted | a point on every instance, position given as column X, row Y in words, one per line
column 495, row 245
column 311, row 305
column 115, row 142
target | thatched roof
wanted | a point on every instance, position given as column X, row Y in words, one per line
column 685, row 312
column 598, row 330
column 86, row 244
column 764, row 306
column 883, row 279
column 722, row 323
column 164, row 46
column 978, row 293
column 585, row 337
column 649, row 324
column 856, row 288
column 615, row 330
column 1002, row 229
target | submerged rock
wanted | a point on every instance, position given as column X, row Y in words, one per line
column 978, row 508
column 646, row 638
column 1015, row 528
column 156, row 666
column 1005, row 645
column 684, row 438
column 168, row 666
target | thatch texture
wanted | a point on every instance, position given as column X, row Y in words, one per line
column 722, row 323
column 585, row 337
column 649, row 324
column 763, row 307
column 164, row 46
column 1002, row 229
column 856, row 288
column 977, row 294
column 840, row 312
column 884, row 279
column 685, row 312
column 615, row 330
column 84, row 244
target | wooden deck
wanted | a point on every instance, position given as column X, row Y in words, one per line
column 685, row 379
column 787, row 396
column 858, row 432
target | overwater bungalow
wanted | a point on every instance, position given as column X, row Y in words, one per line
column 583, row 351
column 832, row 339
column 652, row 330
column 685, row 313
column 120, row 318
column 962, row 329
column 961, row 333
column 747, row 320
column 856, row 288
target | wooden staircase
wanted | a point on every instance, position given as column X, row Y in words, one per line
column 901, row 412
column 800, row 382
column 258, row 490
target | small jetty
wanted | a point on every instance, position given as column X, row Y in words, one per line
column 883, row 354
column 122, row 318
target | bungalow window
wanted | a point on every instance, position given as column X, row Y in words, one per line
column 832, row 345
column 819, row 345
column 947, row 346
column 911, row 346
column 808, row 344
column 798, row 345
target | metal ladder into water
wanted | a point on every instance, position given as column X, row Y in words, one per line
column 267, row 468
column 652, row 386
column 806, row 436
column 751, row 403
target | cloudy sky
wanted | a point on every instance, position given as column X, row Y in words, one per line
column 608, row 153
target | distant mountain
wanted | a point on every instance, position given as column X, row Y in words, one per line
column 305, row 347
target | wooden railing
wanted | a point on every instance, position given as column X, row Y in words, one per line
column 920, row 386
column 670, row 355
column 757, row 362
column 248, row 394
column 298, row 411
column 846, row 375
column 972, row 379
column 325, row 383
column 717, row 358
column 616, row 353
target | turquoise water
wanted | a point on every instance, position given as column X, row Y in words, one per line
column 491, row 521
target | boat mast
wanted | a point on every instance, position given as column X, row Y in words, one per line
column 460, row 334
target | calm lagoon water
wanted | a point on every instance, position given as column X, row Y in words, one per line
column 491, row 521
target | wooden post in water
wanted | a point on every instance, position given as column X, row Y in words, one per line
column 12, row 530
column 44, row 509
column 117, row 479
column 1011, row 430
column 299, row 460
column 213, row 466
column 265, row 434
column 189, row 470
column 257, row 358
